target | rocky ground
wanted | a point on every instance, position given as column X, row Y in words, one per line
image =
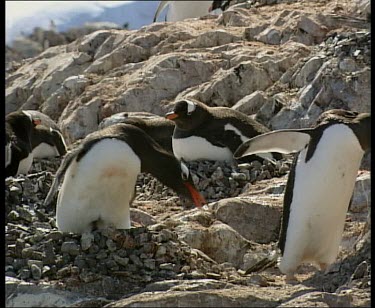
column 281, row 62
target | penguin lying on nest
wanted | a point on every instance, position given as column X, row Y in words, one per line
column 319, row 186
column 101, row 174
column 212, row 133
column 30, row 134
column 157, row 127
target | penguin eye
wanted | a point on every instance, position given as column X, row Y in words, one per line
column 184, row 172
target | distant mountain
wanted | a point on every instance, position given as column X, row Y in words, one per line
column 24, row 16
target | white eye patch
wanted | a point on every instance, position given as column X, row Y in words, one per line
column 28, row 114
column 61, row 136
column 184, row 171
column 190, row 107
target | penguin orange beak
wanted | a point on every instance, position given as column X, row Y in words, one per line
column 171, row 115
column 196, row 196
column 210, row 9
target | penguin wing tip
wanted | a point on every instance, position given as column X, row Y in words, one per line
column 47, row 201
column 240, row 151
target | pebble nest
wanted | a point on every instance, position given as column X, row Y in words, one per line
column 36, row 251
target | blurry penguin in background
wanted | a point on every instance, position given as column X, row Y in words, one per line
column 30, row 134
column 180, row 10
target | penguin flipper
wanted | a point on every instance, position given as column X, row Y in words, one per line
column 59, row 175
column 283, row 141
column 160, row 8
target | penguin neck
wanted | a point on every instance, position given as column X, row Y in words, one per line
column 362, row 129
column 199, row 117
column 165, row 167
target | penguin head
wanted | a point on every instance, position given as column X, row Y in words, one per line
column 360, row 123
column 188, row 189
column 363, row 122
column 187, row 114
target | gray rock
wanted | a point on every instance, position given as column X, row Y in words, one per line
column 251, row 32
column 207, row 298
column 212, row 38
column 71, row 248
column 219, row 241
column 250, row 104
column 233, row 18
column 142, row 217
column 361, row 199
column 269, row 36
column 307, row 95
column 75, row 84
column 21, row 294
column 81, row 121
column 307, row 72
column 348, row 65
column 287, row 118
column 309, row 25
column 36, row 271
column 249, row 223
column 319, row 299
column 87, row 240
column 91, row 42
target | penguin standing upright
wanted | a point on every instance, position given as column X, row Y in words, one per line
column 100, row 178
column 211, row 133
column 180, row 10
column 319, row 186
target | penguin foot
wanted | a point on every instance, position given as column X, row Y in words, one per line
column 291, row 279
column 323, row 267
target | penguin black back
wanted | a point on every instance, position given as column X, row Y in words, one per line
column 159, row 129
column 154, row 158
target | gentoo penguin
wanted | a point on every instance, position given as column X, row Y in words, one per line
column 27, row 138
column 180, row 10
column 319, row 186
column 211, row 133
column 18, row 156
column 219, row 4
column 100, row 178
column 120, row 117
column 46, row 137
column 159, row 128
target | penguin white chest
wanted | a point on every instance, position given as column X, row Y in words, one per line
column 44, row 150
column 98, row 188
column 198, row 148
column 25, row 164
column 321, row 194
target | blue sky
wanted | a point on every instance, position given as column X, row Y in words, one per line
column 26, row 15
